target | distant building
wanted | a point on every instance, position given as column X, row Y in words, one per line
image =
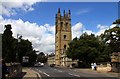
column 62, row 37
column 51, row 60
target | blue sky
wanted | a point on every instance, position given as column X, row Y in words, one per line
column 35, row 20
column 89, row 13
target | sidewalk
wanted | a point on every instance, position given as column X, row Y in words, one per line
column 30, row 74
column 98, row 71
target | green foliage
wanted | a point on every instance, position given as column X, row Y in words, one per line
column 41, row 58
column 8, row 42
column 13, row 51
column 87, row 49
column 117, row 21
column 112, row 38
column 91, row 48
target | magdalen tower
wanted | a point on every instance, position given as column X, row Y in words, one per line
column 62, row 36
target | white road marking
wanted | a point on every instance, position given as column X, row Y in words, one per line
column 70, row 74
column 74, row 75
column 77, row 75
column 59, row 71
column 46, row 74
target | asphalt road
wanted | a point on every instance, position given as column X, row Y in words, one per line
column 47, row 72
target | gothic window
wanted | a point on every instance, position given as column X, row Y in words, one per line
column 61, row 23
column 64, row 46
column 64, row 36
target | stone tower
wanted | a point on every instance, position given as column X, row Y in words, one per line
column 62, row 36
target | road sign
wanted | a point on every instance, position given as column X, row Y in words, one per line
column 25, row 59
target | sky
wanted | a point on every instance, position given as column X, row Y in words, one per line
column 35, row 20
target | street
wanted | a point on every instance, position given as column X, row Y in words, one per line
column 66, row 73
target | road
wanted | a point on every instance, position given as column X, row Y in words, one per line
column 47, row 72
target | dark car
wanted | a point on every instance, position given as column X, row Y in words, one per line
column 52, row 65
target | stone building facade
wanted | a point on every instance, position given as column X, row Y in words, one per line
column 62, row 37
column 115, row 62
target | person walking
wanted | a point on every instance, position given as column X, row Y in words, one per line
column 92, row 66
column 95, row 66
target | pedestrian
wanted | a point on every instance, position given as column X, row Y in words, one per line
column 92, row 66
column 95, row 66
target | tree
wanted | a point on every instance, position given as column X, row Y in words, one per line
column 24, row 48
column 112, row 37
column 87, row 49
column 11, row 47
column 8, row 43
column 41, row 58
column 71, row 51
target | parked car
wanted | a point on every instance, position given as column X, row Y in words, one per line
column 42, row 64
column 52, row 65
column 39, row 64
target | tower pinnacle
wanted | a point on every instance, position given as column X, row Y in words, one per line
column 58, row 10
column 69, row 12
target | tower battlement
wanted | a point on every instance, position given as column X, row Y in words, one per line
column 66, row 15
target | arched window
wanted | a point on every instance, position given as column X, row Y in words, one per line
column 64, row 46
column 65, row 36
column 61, row 23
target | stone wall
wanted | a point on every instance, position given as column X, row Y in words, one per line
column 104, row 67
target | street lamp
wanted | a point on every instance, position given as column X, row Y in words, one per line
column 19, row 37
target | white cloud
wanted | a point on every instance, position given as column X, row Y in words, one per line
column 77, row 30
column 101, row 28
column 113, row 25
column 8, row 7
column 42, row 37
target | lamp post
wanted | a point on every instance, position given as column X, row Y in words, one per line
column 19, row 37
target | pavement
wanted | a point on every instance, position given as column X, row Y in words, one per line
column 99, row 71
column 29, row 73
